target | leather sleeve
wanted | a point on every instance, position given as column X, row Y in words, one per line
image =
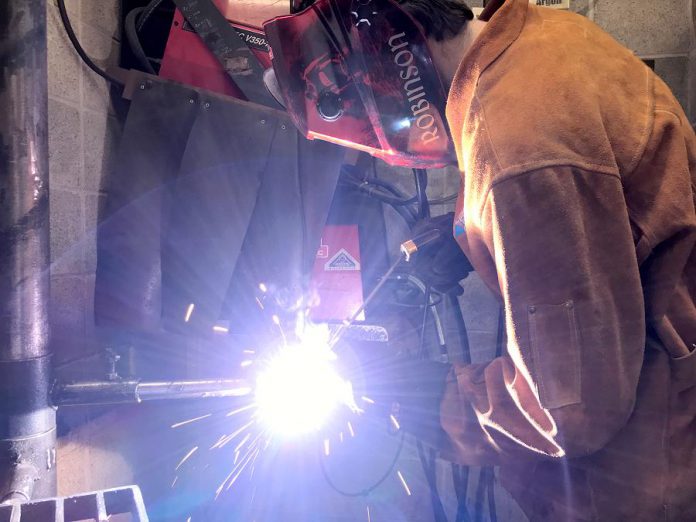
column 569, row 278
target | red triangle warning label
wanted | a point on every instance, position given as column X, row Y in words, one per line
column 342, row 261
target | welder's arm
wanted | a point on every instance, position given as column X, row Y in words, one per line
column 568, row 274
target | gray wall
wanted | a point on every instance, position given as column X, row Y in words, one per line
column 83, row 132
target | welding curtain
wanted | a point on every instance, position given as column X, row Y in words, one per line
column 210, row 197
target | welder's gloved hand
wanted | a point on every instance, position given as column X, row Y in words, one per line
column 441, row 264
column 410, row 389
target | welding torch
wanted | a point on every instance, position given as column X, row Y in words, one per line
column 406, row 251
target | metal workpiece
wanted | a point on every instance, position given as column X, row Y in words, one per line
column 114, row 392
column 27, row 422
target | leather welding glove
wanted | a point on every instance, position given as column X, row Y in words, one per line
column 411, row 390
column 440, row 264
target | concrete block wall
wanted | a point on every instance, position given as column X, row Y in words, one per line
column 83, row 132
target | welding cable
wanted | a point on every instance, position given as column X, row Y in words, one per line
column 460, row 474
column 429, row 465
column 366, row 491
column 492, row 512
column 78, row 48
column 443, row 200
column 421, row 179
column 147, row 13
column 460, row 480
column 134, row 41
column 405, row 212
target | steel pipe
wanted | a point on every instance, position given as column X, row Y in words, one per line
column 27, row 421
column 114, row 392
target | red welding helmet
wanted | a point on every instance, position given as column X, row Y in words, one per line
column 359, row 73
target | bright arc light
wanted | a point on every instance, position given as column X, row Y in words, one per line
column 299, row 389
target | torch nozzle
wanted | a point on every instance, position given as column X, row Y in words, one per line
column 413, row 245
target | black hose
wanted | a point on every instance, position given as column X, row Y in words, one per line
column 78, row 48
column 147, row 13
column 421, row 178
column 134, row 40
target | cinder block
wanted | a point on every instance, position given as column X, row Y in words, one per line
column 104, row 15
column 92, row 205
column 67, row 308
column 64, row 145
column 101, row 135
column 67, row 233
column 580, row 6
column 104, row 51
column 645, row 26
column 63, row 62
column 675, row 73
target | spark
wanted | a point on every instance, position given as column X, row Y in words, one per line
column 369, row 519
column 248, row 352
column 236, row 458
column 240, row 410
column 258, row 302
column 183, row 423
column 350, row 429
column 174, row 481
column 394, row 422
column 220, row 328
column 247, row 363
column 251, row 459
column 188, row 519
column 237, row 469
column 327, row 447
column 263, row 287
column 244, row 441
column 189, row 311
column 276, row 321
column 340, row 436
column 225, row 439
column 367, row 400
column 403, row 482
column 186, row 457
column 222, row 437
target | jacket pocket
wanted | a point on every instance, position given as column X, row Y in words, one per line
column 556, row 354
column 684, row 371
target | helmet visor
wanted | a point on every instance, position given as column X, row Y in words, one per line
column 359, row 73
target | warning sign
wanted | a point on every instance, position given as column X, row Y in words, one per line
column 342, row 261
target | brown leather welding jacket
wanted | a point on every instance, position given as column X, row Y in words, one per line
column 577, row 208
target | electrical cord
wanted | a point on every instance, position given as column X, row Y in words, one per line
column 363, row 492
column 79, row 49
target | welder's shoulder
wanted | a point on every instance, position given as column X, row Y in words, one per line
column 565, row 92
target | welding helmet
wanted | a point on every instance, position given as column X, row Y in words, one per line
column 359, row 73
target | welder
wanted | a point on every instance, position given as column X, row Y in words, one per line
column 577, row 208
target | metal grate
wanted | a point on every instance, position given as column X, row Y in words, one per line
column 108, row 505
